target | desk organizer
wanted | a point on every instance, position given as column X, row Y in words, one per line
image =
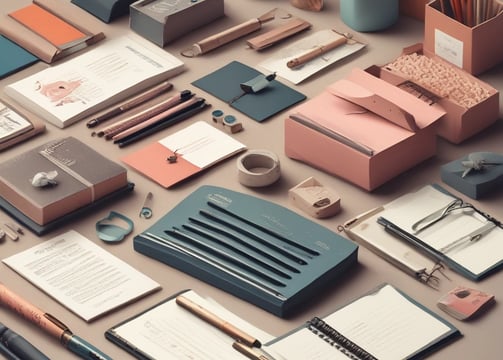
column 471, row 105
column 474, row 49
column 105, row 10
column 254, row 249
column 161, row 22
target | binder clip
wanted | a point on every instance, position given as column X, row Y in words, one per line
column 315, row 199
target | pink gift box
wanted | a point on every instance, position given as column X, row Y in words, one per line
column 362, row 129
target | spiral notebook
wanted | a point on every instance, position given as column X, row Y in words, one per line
column 382, row 324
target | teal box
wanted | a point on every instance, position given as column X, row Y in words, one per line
column 162, row 21
column 476, row 175
column 369, row 15
column 105, row 10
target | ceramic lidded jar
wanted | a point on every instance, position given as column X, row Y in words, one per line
column 369, row 15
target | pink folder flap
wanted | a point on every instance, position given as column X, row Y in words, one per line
column 376, row 103
column 386, row 100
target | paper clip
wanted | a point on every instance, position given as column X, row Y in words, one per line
column 146, row 210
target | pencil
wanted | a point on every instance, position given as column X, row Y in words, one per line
column 130, row 104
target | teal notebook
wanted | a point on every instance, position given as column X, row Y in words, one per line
column 252, row 248
column 224, row 83
column 13, row 57
column 384, row 323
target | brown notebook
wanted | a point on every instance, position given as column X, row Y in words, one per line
column 84, row 176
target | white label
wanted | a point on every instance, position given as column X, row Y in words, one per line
column 449, row 48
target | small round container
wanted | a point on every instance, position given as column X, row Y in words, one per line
column 369, row 15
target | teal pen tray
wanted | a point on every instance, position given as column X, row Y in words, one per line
column 254, row 249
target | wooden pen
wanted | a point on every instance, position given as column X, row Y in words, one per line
column 316, row 52
column 216, row 321
column 130, row 104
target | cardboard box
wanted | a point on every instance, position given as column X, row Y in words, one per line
column 461, row 121
column 84, row 176
column 474, row 49
column 161, row 22
column 413, row 8
column 364, row 110
column 105, row 10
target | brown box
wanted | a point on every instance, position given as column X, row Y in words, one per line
column 413, row 8
column 474, row 49
column 460, row 121
column 83, row 176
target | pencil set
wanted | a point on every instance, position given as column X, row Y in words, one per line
column 167, row 112
column 471, row 12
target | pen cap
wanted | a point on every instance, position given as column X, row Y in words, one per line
column 369, row 15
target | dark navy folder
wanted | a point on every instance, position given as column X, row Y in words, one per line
column 257, row 250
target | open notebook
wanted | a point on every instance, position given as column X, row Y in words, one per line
column 447, row 229
column 382, row 324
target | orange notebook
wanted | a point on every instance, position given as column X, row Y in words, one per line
column 49, row 26
column 192, row 149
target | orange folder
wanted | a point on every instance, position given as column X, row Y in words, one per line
column 47, row 25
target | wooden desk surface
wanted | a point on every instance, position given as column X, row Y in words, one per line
column 481, row 336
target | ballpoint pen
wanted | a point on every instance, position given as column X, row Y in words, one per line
column 137, row 100
column 171, row 120
column 216, row 321
column 19, row 346
column 251, row 353
column 316, row 52
column 146, row 114
column 395, row 230
column 51, row 325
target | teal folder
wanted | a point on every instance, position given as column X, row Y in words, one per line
column 13, row 57
column 105, row 10
column 224, row 83
column 254, row 249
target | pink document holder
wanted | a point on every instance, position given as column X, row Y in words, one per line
column 398, row 128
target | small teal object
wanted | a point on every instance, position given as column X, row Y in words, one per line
column 229, row 119
column 217, row 116
column 369, row 15
column 109, row 231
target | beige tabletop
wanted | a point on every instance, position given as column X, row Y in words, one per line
column 481, row 336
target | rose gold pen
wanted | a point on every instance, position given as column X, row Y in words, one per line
column 137, row 100
column 216, row 321
column 316, row 52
